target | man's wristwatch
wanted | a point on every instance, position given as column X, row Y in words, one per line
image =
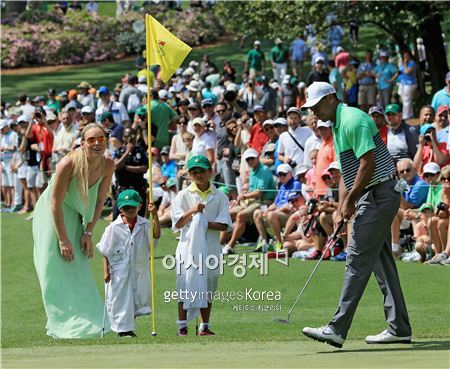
column 88, row 233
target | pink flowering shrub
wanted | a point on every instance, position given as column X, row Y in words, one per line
column 51, row 39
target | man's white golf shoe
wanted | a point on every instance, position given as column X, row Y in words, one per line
column 324, row 334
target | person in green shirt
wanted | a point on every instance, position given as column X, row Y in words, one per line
column 279, row 55
column 255, row 62
column 52, row 103
column 369, row 198
column 262, row 191
column 162, row 115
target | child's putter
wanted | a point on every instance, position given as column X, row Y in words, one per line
column 104, row 310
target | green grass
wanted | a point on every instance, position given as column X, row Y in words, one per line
column 244, row 339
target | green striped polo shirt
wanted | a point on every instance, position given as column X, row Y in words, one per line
column 354, row 134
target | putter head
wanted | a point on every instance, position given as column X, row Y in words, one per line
column 281, row 320
column 154, row 334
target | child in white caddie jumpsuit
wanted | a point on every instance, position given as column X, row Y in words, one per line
column 200, row 212
column 125, row 249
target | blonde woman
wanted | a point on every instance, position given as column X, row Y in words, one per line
column 63, row 222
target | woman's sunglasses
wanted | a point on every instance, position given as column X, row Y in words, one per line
column 93, row 140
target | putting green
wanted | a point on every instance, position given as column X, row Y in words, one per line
column 208, row 354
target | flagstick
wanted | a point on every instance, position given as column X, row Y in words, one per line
column 150, row 177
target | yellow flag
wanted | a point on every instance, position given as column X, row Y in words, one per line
column 163, row 48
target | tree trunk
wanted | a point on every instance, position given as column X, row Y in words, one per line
column 431, row 31
column 14, row 7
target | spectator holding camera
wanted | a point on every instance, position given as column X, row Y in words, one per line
column 131, row 164
column 42, row 135
column 250, row 95
column 429, row 149
column 292, row 143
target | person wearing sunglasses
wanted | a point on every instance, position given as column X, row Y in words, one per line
column 319, row 73
column 276, row 215
column 262, row 192
column 63, row 223
column 413, row 198
column 402, row 139
column 369, row 198
column 193, row 112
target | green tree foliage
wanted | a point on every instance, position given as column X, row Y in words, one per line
column 402, row 21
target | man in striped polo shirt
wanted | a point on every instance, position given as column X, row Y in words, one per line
column 368, row 195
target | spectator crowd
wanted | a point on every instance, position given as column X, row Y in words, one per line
column 276, row 163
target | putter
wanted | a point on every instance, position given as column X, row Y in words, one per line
column 329, row 244
column 104, row 310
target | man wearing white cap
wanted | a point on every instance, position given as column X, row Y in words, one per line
column 318, row 74
column 277, row 213
column 262, row 190
column 255, row 63
column 370, row 198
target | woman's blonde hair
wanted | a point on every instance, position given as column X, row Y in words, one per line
column 81, row 165
column 445, row 172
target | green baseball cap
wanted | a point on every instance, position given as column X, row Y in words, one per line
column 425, row 207
column 106, row 115
column 141, row 110
column 129, row 198
column 392, row 108
column 198, row 161
column 171, row 182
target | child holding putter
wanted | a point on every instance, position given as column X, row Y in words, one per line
column 125, row 249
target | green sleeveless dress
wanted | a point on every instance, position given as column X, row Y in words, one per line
column 72, row 302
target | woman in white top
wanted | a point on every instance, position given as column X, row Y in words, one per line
column 205, row 142
column 178, row 149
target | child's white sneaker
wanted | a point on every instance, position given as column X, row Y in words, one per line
column 227, row 250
